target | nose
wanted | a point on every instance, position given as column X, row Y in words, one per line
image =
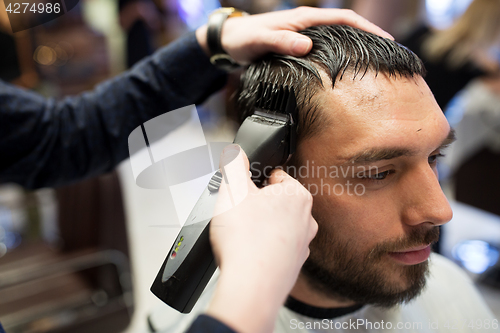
column 423, row 199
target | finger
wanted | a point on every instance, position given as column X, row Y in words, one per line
column 315, row 16
column 287, row 42
column 282, row 183
column 278, row 176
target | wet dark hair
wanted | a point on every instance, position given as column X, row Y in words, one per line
column 337, row 50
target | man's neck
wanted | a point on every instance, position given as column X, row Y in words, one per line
column 303, row 292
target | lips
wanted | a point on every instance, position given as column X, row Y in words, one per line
column 412, row 256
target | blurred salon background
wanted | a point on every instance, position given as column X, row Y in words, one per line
column 81, row 258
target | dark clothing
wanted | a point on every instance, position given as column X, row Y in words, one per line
column 139, row 43
column 319, row 313
column 443, row 81
column 139, row 40
column 208, row 324
column 45, row 142
column 9, row 64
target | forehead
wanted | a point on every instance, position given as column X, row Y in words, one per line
column 378, row 111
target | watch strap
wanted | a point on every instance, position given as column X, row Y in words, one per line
column 219, row 56
column 214, row 31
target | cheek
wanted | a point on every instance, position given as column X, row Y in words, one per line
column 365, row 220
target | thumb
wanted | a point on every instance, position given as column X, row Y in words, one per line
column 288, row 42
column 236, row 182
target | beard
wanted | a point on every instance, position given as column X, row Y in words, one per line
column 339, row 273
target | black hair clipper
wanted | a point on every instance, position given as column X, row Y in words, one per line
column 268, row 137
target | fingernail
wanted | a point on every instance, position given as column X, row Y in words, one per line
column 301, row 45
column 388, row 34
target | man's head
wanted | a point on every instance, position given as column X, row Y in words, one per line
column 369, row 135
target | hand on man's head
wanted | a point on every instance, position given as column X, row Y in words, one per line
column 249, row 37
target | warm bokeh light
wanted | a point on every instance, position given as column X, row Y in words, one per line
column 45, row 55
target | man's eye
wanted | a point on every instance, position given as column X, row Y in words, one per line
column 434, row 158
column 377, row 176
column 380, row 176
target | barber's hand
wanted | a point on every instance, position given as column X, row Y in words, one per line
column 249, row 37
column 260, row 244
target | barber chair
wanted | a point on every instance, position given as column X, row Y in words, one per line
column 84, row 284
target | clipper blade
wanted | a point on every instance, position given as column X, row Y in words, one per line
column 276, row 98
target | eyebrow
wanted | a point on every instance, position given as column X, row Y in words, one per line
column 379, row 154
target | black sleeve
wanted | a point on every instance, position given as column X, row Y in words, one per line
column 44, row 142
column 207, row 324
column 9, row 63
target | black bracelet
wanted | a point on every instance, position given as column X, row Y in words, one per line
column 219, row 56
